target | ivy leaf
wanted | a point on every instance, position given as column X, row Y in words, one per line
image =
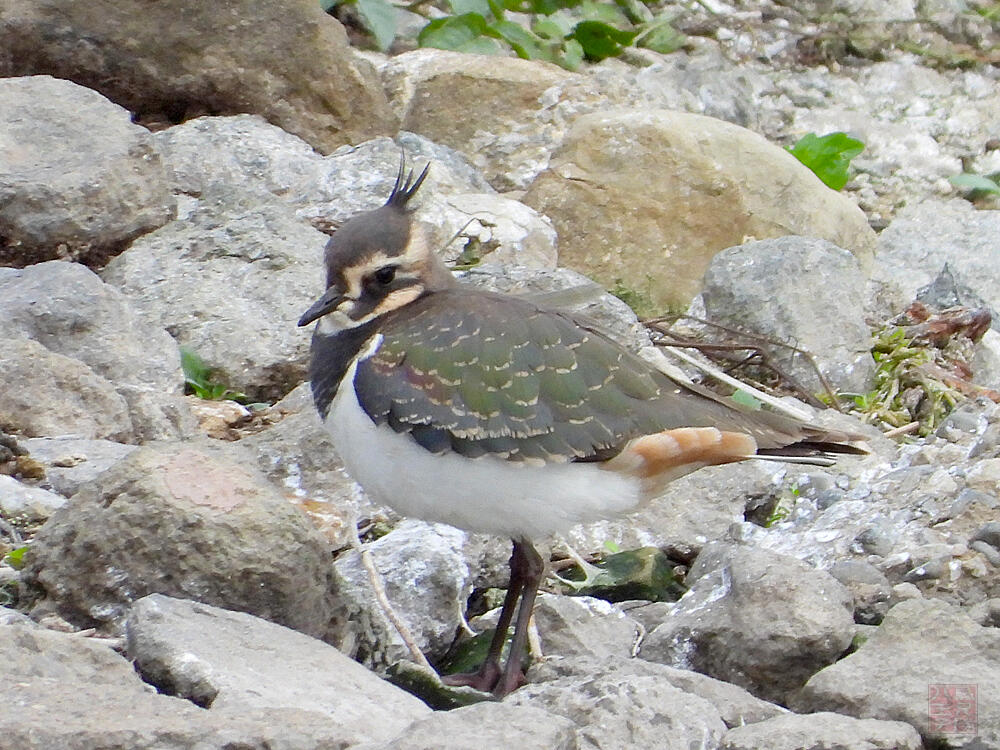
column 379, row 18
column 828, row 156
column 461, row 7
column 600, row 40
column 976, row 182
column 571, row 56
column 661, row 37
column 522, row 41
column 453, row 32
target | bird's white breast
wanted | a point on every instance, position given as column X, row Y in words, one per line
column 483, row 494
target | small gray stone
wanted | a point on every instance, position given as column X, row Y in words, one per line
column 989, row 532
column 427, row 580
column 71, row 462
column 33, row 503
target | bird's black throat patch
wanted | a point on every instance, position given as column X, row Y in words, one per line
column 332, row 356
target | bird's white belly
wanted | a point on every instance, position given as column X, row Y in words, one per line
column 483, row 494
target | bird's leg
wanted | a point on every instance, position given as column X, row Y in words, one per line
column 530, row 567
column 487, row 676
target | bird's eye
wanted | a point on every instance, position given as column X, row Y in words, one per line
column 385, row 275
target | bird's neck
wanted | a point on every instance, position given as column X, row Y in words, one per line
column 332, row 355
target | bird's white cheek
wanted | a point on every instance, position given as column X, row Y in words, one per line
column 336, row 321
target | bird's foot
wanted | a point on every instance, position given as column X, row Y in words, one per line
column 488, row 679
column 484, row 679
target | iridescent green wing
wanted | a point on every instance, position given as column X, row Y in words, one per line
column 482, row 374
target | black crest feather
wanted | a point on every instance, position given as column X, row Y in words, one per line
column 406, row 186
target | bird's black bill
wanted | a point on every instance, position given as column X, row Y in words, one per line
column 325, row 304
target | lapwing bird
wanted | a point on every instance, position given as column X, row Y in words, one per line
column 489, row 413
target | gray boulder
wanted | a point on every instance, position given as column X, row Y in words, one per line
column 622, row 704
column 904, row 671
column 66, row 308
column 46, row 393
column 184, row 521
column 487, row 725
column 805, row 292
column 287, row 61
column 75, row 693
column 79, row 178
column 822, row 731
column 735, row 705
column 231, row 661
column 914, row 248
column 230, row 287
column 764, row 621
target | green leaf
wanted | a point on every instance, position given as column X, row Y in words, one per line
column 547, row 28
column 196, row 372
column 745, row 399
column 661, row 37
column 572, row 55
column 15, row 558
column 453, row 32
column 592, row 10
column 379, row 18
column 828, row 156
column 600, row 40
column 968, row 181
column 461, row 7
column 522, row 41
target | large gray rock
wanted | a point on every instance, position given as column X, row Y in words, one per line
column 822, row 731
column 763, row 621
column 925, row 236
column 735, row 705
column 183, row 521
column 921, row 650
column 488, row 725
column 623, row 704
column 231, row 661
column 230, row 287
column 46, row 393
column 72, row 693
column 452, row 98
column 66, row 308
column 69, row 310
column 287, row 61
column 804, row 292
column 79, row 179
column 650, row 196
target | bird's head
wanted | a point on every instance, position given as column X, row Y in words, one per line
column 377, row 262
